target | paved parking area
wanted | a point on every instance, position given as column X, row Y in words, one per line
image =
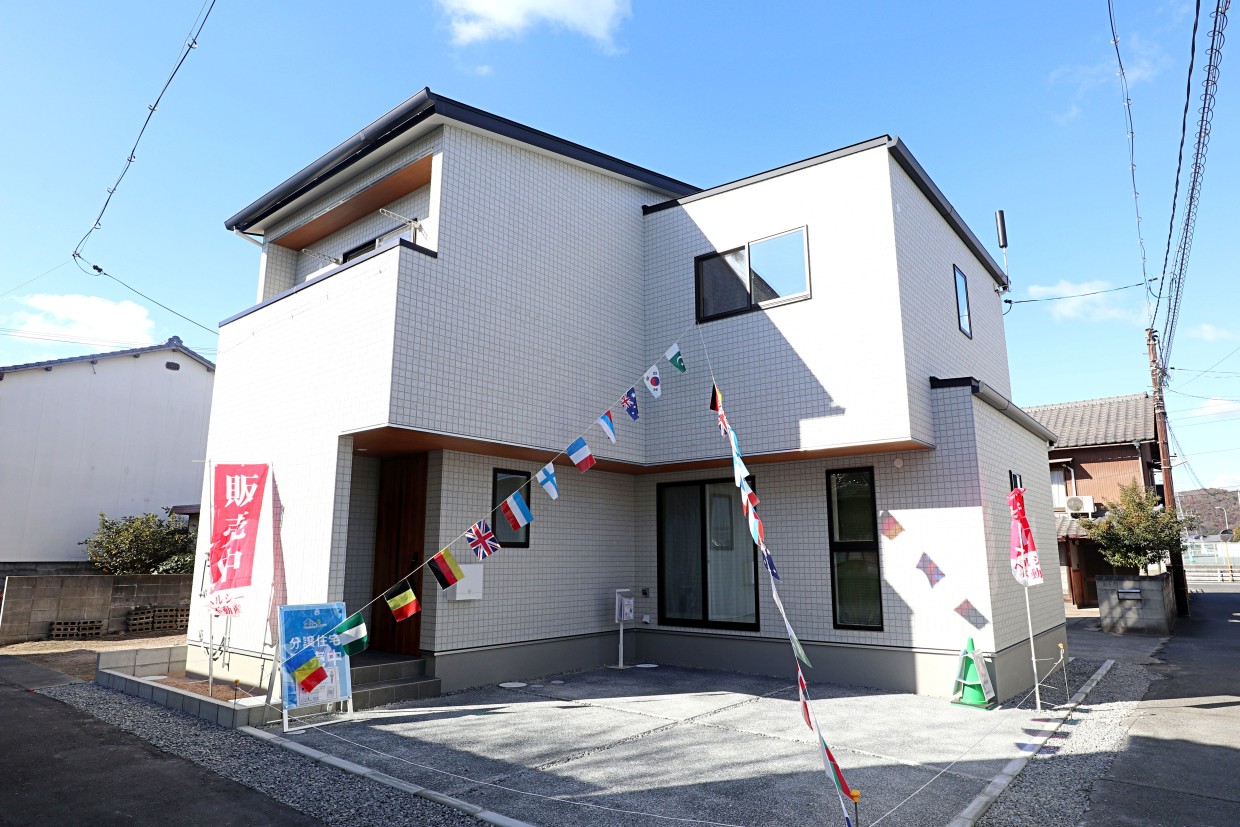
column 685, row 745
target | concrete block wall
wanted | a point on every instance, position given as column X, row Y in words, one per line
column 1153, row 613
column 31, row 604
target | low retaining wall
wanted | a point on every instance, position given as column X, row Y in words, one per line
column 129, row 670
column 32, row 604
column 1136, row 605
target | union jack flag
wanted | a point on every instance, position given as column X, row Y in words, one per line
column 482, row 540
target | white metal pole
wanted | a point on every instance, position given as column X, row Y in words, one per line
column 1033, row 652
column 210, row 653
column 620, row 663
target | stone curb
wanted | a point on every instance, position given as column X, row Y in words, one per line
column 474, row 810
column 977, row 808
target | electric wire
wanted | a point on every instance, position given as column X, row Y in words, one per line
column 36, row 278
column 1193, row 196
column 1212, row 367
column 1132, row 150
column 99, row 271
column 1077, row 295
column 191, row 43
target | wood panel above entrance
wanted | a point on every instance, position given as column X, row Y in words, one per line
column 391, row 441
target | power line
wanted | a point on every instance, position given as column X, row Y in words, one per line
column 82, row 340
column 1193, row 198
column 1076, row 295
column 1212, row 367
column 191, row 43
column 36, row 278
column 99, row 271
column 1175, row 195
column 1132, row 149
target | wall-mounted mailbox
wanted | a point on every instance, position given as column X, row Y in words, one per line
column 1129, row 594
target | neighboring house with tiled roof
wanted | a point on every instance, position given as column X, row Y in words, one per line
column 1103, row 444
column 122, row 433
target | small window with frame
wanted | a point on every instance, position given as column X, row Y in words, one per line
column 503, row 485
column 856, row 573
column 962, row 303
column 764, row 273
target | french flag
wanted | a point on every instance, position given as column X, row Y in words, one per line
column 516, row 511
column 580, row 454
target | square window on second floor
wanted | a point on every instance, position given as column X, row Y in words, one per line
column 763, row 273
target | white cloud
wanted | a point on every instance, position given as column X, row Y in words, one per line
column 1098, row 307
column 484, row 69
column 1227, row 479
column 1143, row 61
column 1210, row 333
column 86, row 319
column 473, row 21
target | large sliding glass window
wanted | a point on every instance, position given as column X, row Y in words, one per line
column 707, row 561
column 856, row 580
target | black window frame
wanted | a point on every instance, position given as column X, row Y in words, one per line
column 851, row 546
column 705, row 622
column 751, row 306
column 959, row 277
column 497, row 500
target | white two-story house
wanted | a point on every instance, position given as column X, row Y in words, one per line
column 401, row 379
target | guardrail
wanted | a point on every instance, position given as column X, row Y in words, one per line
column 1210, row 574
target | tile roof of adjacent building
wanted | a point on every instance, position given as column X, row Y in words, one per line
column 1108, row 421
column 173, row 344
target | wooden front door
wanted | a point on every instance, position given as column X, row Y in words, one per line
column 398, row 548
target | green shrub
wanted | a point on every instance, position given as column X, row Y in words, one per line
column 142, row 545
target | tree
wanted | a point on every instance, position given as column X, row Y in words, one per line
column 1137, row 531
column 142, row 545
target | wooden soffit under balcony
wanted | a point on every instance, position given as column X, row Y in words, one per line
column 362, row 203
column 392, row 441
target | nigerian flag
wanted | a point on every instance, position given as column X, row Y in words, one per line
column 350, row 636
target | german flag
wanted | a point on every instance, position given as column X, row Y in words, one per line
column 443, row 566
column 402, row 601
column 306, row 669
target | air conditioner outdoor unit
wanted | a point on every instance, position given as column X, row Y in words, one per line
column 1079, row 505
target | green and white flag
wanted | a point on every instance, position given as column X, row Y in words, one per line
column 350, row 636
column 674, row 356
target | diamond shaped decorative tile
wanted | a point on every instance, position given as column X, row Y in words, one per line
column 930, row 569
column 971, row 614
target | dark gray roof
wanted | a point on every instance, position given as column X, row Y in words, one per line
column 407, row 116
column 1068, row 526
column 1109, row 421
column 173, row 344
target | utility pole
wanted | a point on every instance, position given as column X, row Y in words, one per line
column 1178, row 580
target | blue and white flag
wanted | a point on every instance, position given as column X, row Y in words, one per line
column 739, row 471
column 546, row 478
column 516, row 511
column 579, row 452
column 629, row 401
column 607, row 425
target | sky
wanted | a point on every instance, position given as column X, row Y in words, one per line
column 1007, row 106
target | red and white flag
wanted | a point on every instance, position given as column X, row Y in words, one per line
column 1026, row 567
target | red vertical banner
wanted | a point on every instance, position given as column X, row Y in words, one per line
column 1026, row 567
column 237, row 503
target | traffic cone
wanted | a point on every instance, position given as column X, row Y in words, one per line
column 968, row 690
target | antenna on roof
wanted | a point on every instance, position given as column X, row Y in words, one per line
column 1001, row 229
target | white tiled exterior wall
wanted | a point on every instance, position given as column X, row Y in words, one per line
column 926, row 250
column 296, row 374
column 810, row 374
column 550, row 295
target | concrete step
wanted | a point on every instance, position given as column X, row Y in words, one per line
column 366, row 673
column 402, row 689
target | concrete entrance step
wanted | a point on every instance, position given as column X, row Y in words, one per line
column 369, row 695
column 384, row 667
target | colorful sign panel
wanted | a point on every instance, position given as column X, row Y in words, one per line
column 306, row 626
column 237, row 503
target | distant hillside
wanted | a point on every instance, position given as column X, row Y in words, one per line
column 1203, row 501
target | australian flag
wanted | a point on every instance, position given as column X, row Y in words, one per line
column 629, row 401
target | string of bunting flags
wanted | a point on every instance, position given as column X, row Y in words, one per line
column 350, row 636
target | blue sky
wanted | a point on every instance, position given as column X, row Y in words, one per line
column 1012, row 106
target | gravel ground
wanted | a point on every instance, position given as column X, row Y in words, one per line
column 330, row 795
column 1054, row 787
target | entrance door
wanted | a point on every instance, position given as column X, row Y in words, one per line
column 398, row 548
